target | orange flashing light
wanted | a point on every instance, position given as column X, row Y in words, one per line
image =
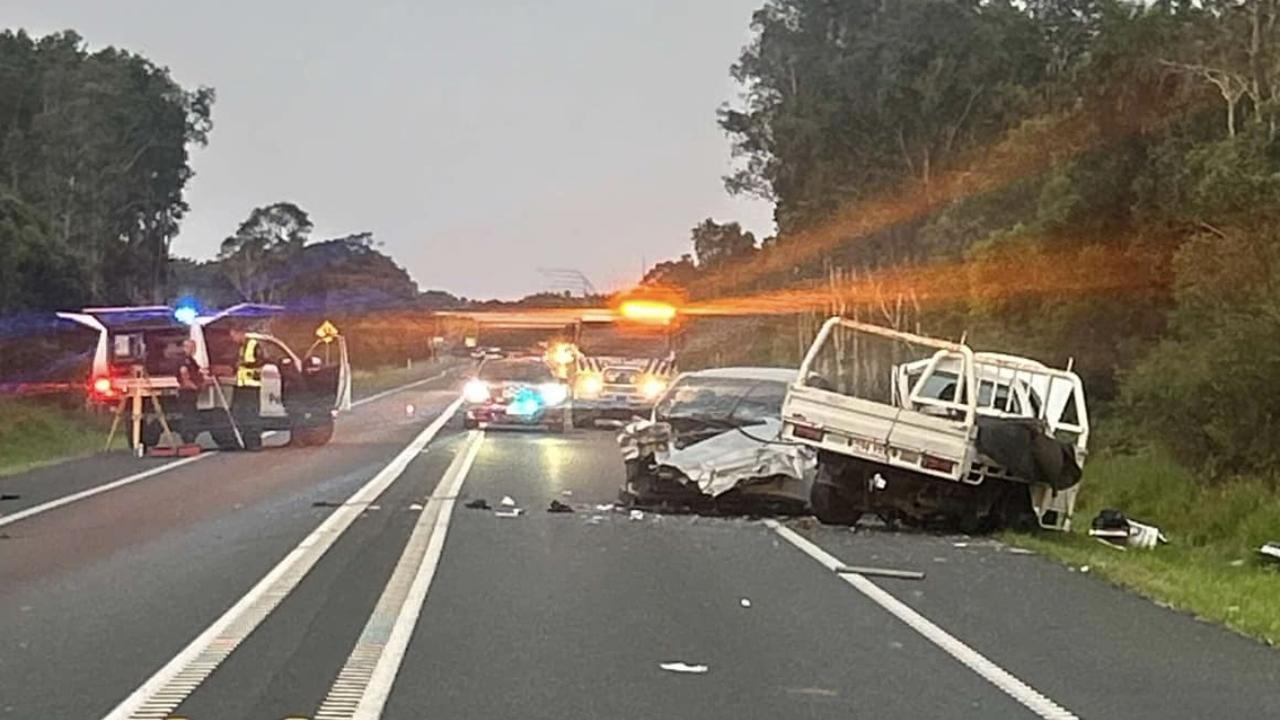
column 648, row 311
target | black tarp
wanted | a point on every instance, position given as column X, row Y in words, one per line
column 1020, row 446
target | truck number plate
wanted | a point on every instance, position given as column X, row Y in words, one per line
column 869, row 447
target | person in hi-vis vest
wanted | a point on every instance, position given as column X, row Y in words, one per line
column 248, row 360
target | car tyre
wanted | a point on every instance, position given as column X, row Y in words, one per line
column 828, row 503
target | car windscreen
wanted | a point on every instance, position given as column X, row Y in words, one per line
column 735, row 399
column 527, row 372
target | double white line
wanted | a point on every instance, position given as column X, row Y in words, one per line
column 170, row 685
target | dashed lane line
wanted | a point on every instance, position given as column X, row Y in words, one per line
column 363, row 685
column 970, row 658
column 165, row 690
column 130, row 479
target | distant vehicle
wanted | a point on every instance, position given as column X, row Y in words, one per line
column 518, row 391
column 139, row 351
column 622, row 362
column 936, row 451
column 712, row 444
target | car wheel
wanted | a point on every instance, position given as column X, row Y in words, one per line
column 470, row 423
column 252, row 439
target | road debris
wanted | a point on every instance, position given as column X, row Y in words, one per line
column 745, row 602
column 1084, row 568
column 558, row 507
column 478, row 504
column 507, row 501
column 409, row 409
column 637, row 514
column 960, row 544
column 566, row 493
column 595, row 519
column 606, row 507
column 9, row 496
column 512, row 513
column 1112, row 526
column 682, row 667
column 1021, row 551
column 415, row 506
column 880, row 572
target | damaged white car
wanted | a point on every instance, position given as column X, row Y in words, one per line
column 713, row 444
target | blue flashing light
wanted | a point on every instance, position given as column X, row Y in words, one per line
column 525, row 403
column 186, row 311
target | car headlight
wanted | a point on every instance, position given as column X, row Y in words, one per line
column 553, row 393
column 590, row 385
column 475, row 391
column 651, row 387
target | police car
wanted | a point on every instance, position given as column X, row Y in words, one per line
column 248, row 383
column 515, row 392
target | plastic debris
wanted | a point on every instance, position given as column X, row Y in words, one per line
column 409, row 410
column 512, row 513
column 745, row 602
column 1112, row 526
column 1020, row 551
column 682, row 667
column 558, row 507
column 478, row 504
column 1084, row 568
column 1270, row 550
column 606, row 507
column 415, row 506
column 960, row 544
column 637, row 514
column 507, row 501
column 566, row 493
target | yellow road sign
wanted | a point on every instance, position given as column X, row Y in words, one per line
column 327, row 331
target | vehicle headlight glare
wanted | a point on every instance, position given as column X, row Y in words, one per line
column 590, row 385
column 651, row 387
column 475, row 391
column 553, row 393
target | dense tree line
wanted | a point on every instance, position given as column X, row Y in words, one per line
column 93, row 162
column 1030, row 151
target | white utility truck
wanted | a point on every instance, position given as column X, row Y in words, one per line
column 931, row 432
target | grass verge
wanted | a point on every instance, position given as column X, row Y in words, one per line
column 1210, row 568
column 37, row 432
column 367, row 382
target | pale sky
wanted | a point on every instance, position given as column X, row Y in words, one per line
column 479, row 140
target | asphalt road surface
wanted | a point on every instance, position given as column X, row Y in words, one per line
column 350, row 581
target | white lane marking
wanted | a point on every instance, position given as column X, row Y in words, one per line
column 97, row 489
column 172, row 683
column 363, row 685
column 970, row 658
column 129, row 480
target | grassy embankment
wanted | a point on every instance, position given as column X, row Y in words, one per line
column 1210, row 568
column 39, row 431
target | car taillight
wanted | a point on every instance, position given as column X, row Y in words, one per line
column 102, row 387
column 806, row 432
column 931, row 462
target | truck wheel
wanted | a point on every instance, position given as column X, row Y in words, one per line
column 252, row 439
column 225, row 439
column 470, row 423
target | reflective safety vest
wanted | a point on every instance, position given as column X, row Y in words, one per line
column 248, row 374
